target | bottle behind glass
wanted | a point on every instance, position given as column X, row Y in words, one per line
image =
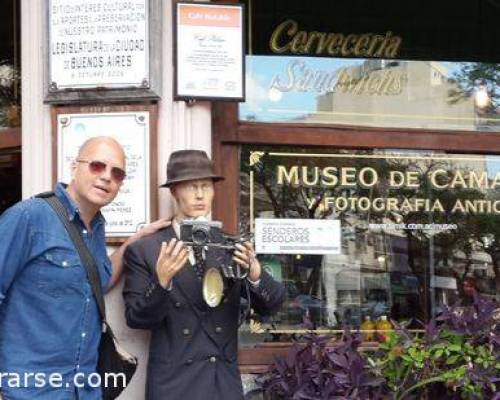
column 368, row 329
column 383, row 327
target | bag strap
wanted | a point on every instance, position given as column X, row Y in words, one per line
column 85, row 256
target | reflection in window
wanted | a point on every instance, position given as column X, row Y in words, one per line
column 419, row 230
column 372, row 92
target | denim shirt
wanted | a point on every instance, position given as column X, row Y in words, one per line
column 49, row 320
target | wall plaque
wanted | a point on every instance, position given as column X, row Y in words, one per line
column 209, row 51
column 131, row 208
column 99, row 45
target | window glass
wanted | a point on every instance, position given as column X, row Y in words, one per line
column 10, row 74
column 372, row 92
column 419, row 230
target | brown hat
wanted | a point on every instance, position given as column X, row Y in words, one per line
column 188, row 165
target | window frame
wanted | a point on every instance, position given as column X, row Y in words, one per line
column 229, row 134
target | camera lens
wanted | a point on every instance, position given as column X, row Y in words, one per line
column 200, row 235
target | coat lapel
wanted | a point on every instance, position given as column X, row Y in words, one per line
column 189, row 284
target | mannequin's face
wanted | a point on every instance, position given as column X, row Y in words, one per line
column 194, row 198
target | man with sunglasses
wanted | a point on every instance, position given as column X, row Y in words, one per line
column 193, row 349
column 50, row 325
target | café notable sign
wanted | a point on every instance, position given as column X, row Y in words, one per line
column 209, row 51
column 99, row 44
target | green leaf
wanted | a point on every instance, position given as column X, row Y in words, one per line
column 455, row 347
column 410, row 360
column 452, row 359
column 438, row 354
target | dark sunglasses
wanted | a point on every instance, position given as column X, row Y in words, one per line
column 98, row 167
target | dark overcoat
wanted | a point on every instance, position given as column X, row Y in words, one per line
column 193, row 350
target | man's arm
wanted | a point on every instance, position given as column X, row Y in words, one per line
column 15, row 245
column 268, row 296
column 117, row 257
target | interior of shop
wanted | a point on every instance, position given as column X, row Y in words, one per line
column 10, row 105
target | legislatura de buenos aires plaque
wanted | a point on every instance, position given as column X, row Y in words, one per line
column 98, row 44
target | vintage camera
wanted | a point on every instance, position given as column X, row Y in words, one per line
column 201, row 233
column 209, row 234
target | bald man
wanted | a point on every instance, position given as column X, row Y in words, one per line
column 50, row 325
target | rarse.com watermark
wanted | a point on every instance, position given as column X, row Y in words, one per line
column 55, row 380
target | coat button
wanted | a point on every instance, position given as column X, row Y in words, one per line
column 218, row 329
column 186, row 331
column 178, row 304
column 212, row 359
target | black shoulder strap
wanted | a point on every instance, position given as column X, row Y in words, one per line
column 83, row 251
column 45, row 195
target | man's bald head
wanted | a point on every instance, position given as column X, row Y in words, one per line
column 89, row 146
column 91, row 186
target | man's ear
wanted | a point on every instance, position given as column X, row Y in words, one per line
column 173, row 192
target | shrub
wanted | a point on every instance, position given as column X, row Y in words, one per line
column 458, row 357
column 314, row 371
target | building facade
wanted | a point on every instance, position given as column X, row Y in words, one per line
column 385, row 119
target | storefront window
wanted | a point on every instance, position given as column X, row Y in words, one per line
column 10, row 74
column 372, row 92
column 419, row 230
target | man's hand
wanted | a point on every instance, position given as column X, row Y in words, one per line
column 170, row 261
column 245, row 256
column 153, row 227
column 117, row 257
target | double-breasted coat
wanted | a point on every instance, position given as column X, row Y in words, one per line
column 193, row 349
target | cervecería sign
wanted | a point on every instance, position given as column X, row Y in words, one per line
column 446, row 30
column 289, row 38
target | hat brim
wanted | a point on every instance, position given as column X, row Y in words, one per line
column 215, row 178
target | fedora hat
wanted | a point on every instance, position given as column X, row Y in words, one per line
column 189, row 165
